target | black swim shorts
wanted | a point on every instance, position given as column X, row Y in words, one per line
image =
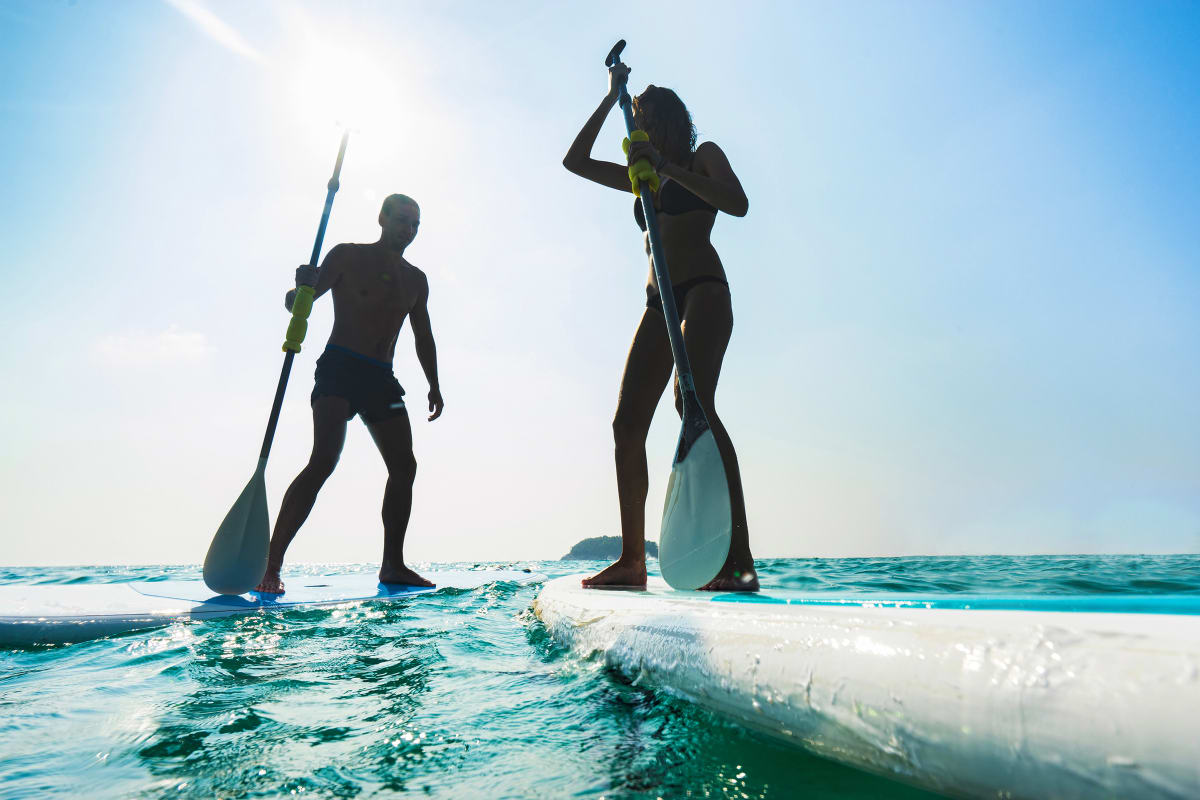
column 366, row 383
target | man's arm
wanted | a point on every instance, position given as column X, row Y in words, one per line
column 323, row 278
column 426, row 349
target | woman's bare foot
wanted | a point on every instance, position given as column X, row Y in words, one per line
column 622, row 573
column 402, row 575
column 733, row 580
column 270, row 583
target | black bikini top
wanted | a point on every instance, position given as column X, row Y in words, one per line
column 673, row 198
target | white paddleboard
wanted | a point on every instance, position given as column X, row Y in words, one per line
column 58, row 613
column 967, row 695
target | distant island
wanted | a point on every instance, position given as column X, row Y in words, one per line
column 603, row 548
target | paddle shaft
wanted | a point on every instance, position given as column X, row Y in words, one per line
column 694, row 420
column 332, row 188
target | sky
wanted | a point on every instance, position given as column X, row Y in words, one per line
column 967, row 292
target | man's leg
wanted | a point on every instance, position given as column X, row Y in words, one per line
column 329, row 434
column 393, row 437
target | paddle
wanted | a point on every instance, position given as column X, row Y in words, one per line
column 237, row 557
column 697, row 522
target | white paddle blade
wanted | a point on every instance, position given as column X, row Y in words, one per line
column 237, row 557
column 697, row 521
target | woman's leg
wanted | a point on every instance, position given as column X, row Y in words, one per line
column 707, row 326
column 647, row 370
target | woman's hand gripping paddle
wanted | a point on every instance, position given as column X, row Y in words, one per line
column 697, row 522
column 237, row 557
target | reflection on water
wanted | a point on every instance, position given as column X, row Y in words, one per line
column 311, row 701
column 454, row 694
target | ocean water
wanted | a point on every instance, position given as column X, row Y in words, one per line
column 453, row 694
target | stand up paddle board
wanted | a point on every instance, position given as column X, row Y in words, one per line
column 967, row 695
column 60, row 614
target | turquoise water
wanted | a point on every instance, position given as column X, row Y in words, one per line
column 454, row 694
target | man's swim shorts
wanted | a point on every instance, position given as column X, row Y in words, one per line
column 366, row 383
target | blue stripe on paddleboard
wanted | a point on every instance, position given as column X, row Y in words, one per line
column 1115, row 604
column 331, row 589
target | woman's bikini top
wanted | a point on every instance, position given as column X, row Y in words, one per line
column 673, row 198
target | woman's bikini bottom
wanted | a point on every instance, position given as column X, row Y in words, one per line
column 679, row 292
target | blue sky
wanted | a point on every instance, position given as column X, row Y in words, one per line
column 967, row 292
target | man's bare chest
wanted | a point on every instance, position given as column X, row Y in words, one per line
column 380, row 286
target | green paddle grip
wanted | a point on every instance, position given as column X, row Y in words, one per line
column 640, row 170
column 301, row 306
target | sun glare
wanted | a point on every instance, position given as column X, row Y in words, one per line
column 349, row 88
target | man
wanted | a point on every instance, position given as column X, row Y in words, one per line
column 374, row 289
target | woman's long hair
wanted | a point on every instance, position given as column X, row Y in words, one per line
column 662, row 115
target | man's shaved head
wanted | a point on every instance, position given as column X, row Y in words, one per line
column 394, row 200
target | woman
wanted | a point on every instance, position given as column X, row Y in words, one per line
column 696, row 182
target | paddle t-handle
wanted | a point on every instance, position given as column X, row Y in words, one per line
column 614, row 56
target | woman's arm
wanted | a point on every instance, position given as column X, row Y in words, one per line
column 711, row 178
column 714, row 181
column 579, row 158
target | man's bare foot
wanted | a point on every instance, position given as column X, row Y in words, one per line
column 270, row 583
column 622, row 573
column 402, row 575
column 732, row 580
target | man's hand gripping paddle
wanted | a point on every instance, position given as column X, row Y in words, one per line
column 697, row 522
column 237, row 557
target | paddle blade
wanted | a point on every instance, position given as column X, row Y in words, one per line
column 697, row 522
column 237, row 557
